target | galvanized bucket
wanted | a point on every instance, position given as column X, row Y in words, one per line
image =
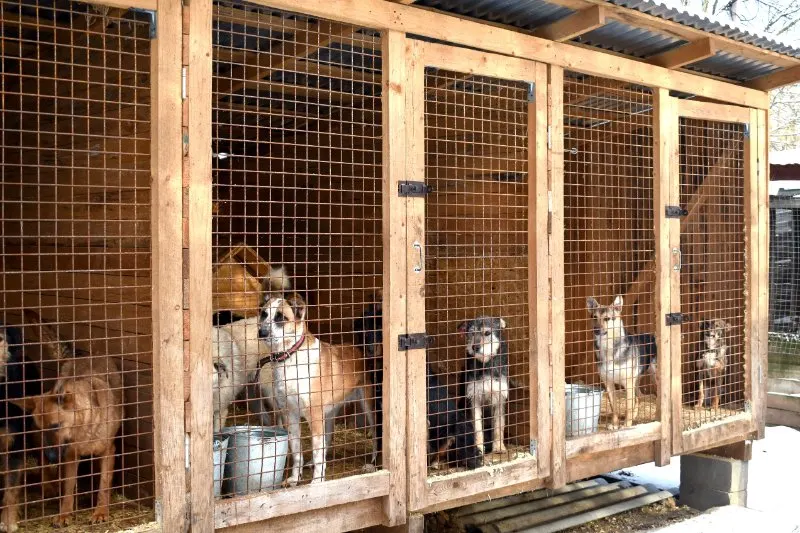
column 583, row 409
column 255, row 460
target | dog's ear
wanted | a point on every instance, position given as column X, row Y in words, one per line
column 499, row 323
column 591, row 304
column 27, row 403
column 277, row 280
column 616, row 305
column 462, row 328
column 298, row 306
column 52, row 346
column 100, row 393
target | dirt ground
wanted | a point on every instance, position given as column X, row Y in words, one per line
column 650, row 517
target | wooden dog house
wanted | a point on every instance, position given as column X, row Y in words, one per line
column 446, row 160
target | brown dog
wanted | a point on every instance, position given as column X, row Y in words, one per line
column 310, row 379
column 712, row 360
column 79, row 418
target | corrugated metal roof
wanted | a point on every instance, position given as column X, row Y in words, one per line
column 627, row 39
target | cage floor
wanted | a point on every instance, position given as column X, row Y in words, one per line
column 514, row 451
column 123, row 516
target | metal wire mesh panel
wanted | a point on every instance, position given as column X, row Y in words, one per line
column 75, row 291
column 297, row 239
column 784, row 290
column 476, row 270
column 713, row 270
column 609, row 252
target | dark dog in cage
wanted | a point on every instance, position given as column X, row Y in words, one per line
column 238, row 355
column 17, row 378
column 312, row 380
column 621, row 358
column 712, row 360
column 79, row 417
column 485, row 379
column 451, row 435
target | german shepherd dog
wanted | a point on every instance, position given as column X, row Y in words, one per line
column 78, row 418
column 17, row 377
column 310, row 379
column 621, row 358
column 451, row 435
column 712, row 360
column 486, row 380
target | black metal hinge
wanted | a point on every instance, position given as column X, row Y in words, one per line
column 674, row 319
column 413, row 189
column 531, row 92
column 675, row 211
column 413, row 341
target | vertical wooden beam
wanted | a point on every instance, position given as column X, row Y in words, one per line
column 166, row 161
column 200, row 368
column 393, row 47
column 676, row 349
column 415, row 304
column 763, row 272
column 663, row 139
column 555, row 161
column 752, row 246
column 539, row 271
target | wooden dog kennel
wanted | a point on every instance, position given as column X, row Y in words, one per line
column 433, row 159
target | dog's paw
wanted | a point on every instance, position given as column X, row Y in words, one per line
column 499, row 447
column 100, row 515
column 612, row 427
column 8, row 528
column 290, row 481
column 62, row 521
column 369, row 468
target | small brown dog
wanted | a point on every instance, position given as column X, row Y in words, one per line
column 310, row 379
column 79, row 418
column 712, row 360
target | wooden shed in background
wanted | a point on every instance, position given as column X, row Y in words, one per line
column 447, row 159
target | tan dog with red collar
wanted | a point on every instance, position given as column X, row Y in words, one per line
column 311, row 380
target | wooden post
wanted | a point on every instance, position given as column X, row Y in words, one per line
column 393, row 46
column 416, row 427
column 763, row 271
column 539, row 272
column 663, row 139
column 166, row 224
column 200, row 368
column 673, row 185
column 555, row 160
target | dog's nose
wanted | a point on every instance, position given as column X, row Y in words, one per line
column 476, row 347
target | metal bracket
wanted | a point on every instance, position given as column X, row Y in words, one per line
column 413, row 189
column 549, row 212
column 153, row 19
column 675, row 211
column 748, row 406
column 551, row 401
column 414, row 341
column 533, row 448
column 531, row 92
column 674, row 319
column 549, row 139
column 747, row 131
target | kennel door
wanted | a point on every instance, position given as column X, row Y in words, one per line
column 477, row 139
column 713, row 401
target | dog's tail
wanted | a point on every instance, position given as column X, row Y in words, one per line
column 278, row 279
column 52, row 346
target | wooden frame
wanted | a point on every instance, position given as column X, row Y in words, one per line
column 388, row 497
column 733, row 428
column 167, row 253
column 427, row 494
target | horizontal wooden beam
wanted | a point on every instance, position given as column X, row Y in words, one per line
column 259, row 20
column 382, row 15
column 787, row 76
column 685, row 55
column 574, row 25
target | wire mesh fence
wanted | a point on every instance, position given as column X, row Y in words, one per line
column 476, row 270
column 784, row 290
column 75, row 291
column 297, row 239
column 609, row 251
column 713, row 270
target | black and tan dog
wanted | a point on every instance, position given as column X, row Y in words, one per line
column 17, row 377
column 79, row 417
column 712, row 360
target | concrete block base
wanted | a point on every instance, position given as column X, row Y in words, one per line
column 708, row 481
